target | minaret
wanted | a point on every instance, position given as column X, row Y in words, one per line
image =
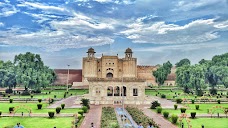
column 91, row 53
column 128, row 53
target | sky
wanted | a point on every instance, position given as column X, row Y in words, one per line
column 62, row 31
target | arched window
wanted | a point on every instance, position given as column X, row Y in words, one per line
column 109, row 75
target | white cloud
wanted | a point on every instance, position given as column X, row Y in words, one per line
column 7, row 9
column 163, row 33
column 1, row 24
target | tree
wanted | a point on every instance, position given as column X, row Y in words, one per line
column 31, row 71
column 162, row 72
column 7, row 74
column 183, row 75
column 183, row 62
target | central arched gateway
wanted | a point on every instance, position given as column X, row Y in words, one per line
column 109, row 75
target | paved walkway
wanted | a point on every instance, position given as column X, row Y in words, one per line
column 69, row 103
column 165, row 103
column 158, row 118
column 37, row 115
column 93, row 116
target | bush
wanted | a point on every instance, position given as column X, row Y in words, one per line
column 193, row 101
column 11, row 100
column 62, row 106
column 9, row 90
column 154, row 105
column 79, row 117
column 58, row 109
column 85, row 102
column 193, row 115
column 85, row 109
column 174, row 119
column 51, row 114
column 163, row 96
column 159, row 109
column 183, row 110
column 197, row 107
column 80, row 112
column 36, row 91
column 54, row 96
column 31, row 95
column 213, row 91
column 175, row 106
column 39, row 106
column 11, row 109
column 218, row 101
column 179, row 101
column 25, row 93
column 166, row 114
column 8, row 95
column 0, row 113
column 39, row 100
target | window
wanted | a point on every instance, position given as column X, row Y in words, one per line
column 135, row 92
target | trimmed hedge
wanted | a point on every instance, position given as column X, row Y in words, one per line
column 58, row 109
column 39, row 106
column 174, row 119
column 179, row 101
column 154, row 105
column 80, row 112
column 183, row 110
column 62, row 106
column 11, row 100
column 193, row 101
column 85, row 109
column 159, row 109
column 39, row 100
column 197, row 107
column 193, row 115
column 166, row 114
column 11, row 109
column 175, row 106
column 51, row 114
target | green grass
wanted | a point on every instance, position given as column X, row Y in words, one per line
column 203, row 109
column 35, row 122
column 4, row 107
column 58, row 93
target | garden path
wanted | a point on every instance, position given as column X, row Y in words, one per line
column 158, row 118
column 69, row 103
column 93, row 116
column 165, row 103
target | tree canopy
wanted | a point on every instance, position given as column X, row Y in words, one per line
column 183, row 62
column 162, row 72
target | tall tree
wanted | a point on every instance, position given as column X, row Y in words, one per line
column 183, row 62
column 162, row 72
column 7, row 74
column 31, row 71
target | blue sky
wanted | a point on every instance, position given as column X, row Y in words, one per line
column 61, row 31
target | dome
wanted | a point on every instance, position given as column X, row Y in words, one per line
column 91, row 50
column 128, row 50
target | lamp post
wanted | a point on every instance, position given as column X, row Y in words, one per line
column 67, row 76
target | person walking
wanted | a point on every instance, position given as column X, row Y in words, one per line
column 150, row 125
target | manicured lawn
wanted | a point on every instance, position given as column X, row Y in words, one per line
column 208, row 123
column 35, row 122
column 203, row 108
column 4, row 107
column 59, row 94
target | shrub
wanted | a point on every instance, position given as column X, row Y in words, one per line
column 155, row 104
column 213, row 91
column 39, row 106
column 85, row 102
column 11, row 100
column 62, row 106
column 36, row 91
column 51, row 114
column 174, row 119
column 54, row 96
column 159, row 109
column 49, row 92
column 163, row 96
column 8, row 95
column 58, row 109
column 11, row 109
column 79, row 117
column 183, row 110
column 175, row 106
column 85, row 109
column 218, row 101
column 193, row 115
column 9, row 90
column 25, row 93
column 197, row 107
column 31, row 95
column 80, row 112
column 179, row 101
column 193, row 101
column 64, row 96
column 166, row 114
column 0, row 113
column 39, row 100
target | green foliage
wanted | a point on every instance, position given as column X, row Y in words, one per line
column 183, row 110
column 179, row 101
column 193, row 115
column 85, row 102
column 174, row 119
column 162, row 72
column 51, row 114
column 11, row 100
column 183, row 62
column 159, row 109
column 11, row 109
column 163, row 96
column 197, row 107
column 138, row 116
column 39, row 106
column 0, row 113
column 108, row 118
column 62, row 105
column 193, row 101
column 175, row 106
column 7, row 74
column 39, row 100
column 80, row 112
column 154, row 105
column 58, row 109
column 218, row 101
column 166, row 114
column 85, row 109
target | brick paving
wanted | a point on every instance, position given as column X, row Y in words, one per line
column 93, row 116
column 158, row 118
column 37, row 115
